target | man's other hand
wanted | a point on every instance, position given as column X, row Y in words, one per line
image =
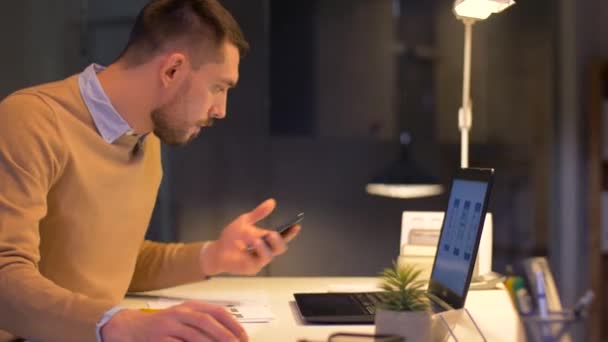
column 191, row 321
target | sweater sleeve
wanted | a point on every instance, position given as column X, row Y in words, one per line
column 162, row 265
column 31, row 159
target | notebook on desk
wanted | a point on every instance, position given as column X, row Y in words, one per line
column 452, row 268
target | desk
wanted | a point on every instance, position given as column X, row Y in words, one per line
column 491, row 309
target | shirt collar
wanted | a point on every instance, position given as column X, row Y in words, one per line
column 108, row 121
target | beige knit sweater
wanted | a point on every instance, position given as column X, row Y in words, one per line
column 73, row 213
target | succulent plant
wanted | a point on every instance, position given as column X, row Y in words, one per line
column 404, row 291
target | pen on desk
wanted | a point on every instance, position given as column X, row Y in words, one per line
column 149, row 310
column 543, row 311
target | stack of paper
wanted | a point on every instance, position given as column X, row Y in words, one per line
column 244, row 312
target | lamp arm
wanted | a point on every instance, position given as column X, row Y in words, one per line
column 465, row 114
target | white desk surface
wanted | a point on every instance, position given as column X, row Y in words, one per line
column 492, row 309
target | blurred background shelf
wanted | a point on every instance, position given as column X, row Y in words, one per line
column 598, row 196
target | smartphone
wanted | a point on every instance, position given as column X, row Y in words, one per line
column 283, row 229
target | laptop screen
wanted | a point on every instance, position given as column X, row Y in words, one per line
column 456, row 251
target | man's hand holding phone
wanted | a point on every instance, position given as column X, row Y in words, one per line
column 244, row 248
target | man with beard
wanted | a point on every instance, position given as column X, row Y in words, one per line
column 79, row 173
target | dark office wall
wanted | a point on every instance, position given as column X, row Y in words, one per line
column 603, row 28
column 355, row 70
column 39, row 42
column 582, row 27
column 292, row 40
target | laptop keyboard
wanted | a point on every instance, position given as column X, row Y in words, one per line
column 368, row 300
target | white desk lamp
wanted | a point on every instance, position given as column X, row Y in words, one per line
column 429, row 223
column 471, row 11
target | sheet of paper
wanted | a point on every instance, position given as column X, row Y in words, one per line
column 243, row 312
column 214, row 297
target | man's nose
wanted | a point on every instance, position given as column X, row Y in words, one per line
column 218, row 111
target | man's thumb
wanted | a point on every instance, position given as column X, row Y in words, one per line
column 261, row 211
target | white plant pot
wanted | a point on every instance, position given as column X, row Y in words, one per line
column 414, row 326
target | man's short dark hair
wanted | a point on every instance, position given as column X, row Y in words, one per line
column 199, row 25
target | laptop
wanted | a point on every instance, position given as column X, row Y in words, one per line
column 452, row 268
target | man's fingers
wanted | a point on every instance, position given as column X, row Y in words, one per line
column 221, row 316
column 189, row 332
column 171, row 339
column 203, row 327
column 275, row 241
column 292, row 232
column 261, row 211
column 263, row 252
column 173, row 329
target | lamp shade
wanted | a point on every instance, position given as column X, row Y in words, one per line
column 404, row 179
column 480, row 9
column 404, row 190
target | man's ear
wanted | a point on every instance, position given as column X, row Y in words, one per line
column 173, row 69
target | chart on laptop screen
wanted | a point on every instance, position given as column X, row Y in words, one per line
column 460, row 230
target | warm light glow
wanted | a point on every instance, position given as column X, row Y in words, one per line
column 480, row 9
column 404, row 191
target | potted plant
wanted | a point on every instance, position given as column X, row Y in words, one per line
column 403, row 310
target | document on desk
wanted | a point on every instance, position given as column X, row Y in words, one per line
column 244, row 312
